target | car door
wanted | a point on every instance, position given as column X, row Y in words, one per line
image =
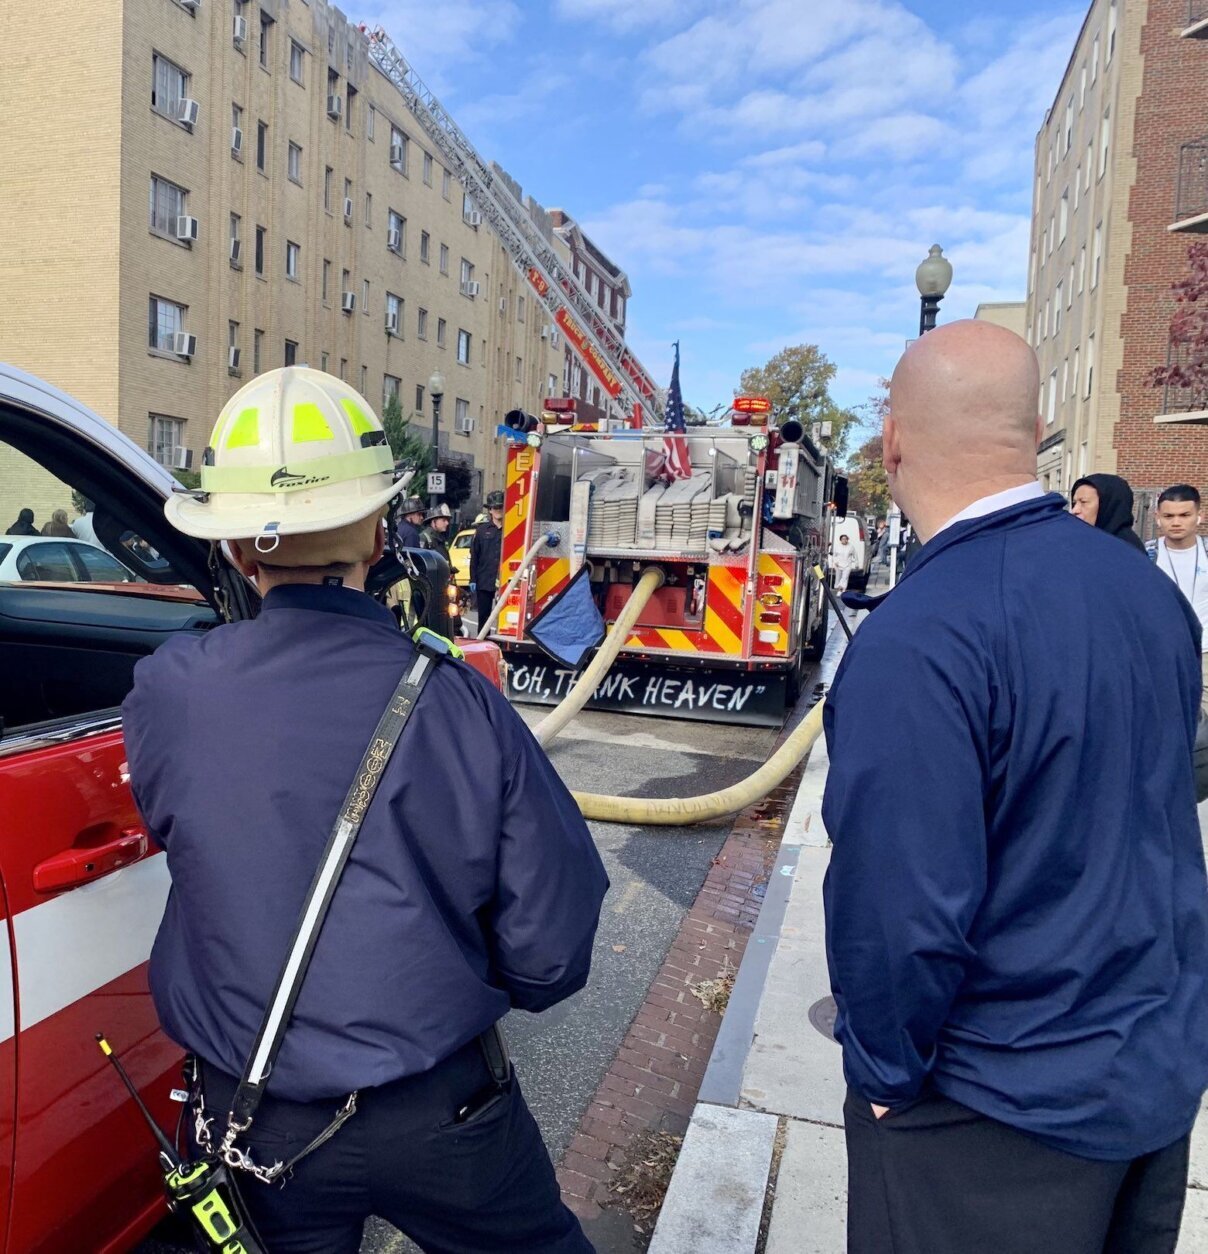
column 47, row 561
column 81, row 886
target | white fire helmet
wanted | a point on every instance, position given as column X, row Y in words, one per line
column 294, row 451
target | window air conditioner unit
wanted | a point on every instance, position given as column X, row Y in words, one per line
column 187, row 112
column 191, row 5
column 470, row 288
column 545, row 333
column 236, row 140
column 184, row 344
column 348, row 302
column 236, row 252
column 347, row 208
column 392, row 324
column 182, row 458
column 394, row 240
column 240, row 30
column 396, row 156
column 474, row 218
column 233, row 358
column 465, row 426
column 186, row 229
column 335, row 107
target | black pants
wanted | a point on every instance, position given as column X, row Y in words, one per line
column 486, row 602
column 934, row 1177
column 479, row 1186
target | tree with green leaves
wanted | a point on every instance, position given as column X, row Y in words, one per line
column 868, row 484
column 406, row 444
column 797, row 382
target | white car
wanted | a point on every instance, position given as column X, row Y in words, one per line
column 57, row 559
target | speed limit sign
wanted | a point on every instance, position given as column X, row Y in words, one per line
column 436, row 482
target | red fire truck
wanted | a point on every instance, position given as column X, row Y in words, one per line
column 729, row 634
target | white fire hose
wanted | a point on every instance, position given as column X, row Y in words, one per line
column 542, row 541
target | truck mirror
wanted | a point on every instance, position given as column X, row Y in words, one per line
column 839, row 496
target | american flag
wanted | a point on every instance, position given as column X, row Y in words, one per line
column 675, row 441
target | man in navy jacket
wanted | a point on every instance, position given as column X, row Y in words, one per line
column 1017, row 915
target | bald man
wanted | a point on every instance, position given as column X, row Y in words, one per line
column 1016, row 916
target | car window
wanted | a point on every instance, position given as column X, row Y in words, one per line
column 48, row 562
column 464, row 540
column 99, row 566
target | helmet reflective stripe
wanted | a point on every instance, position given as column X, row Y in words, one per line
column 311, row 473
column 310, row 427
column 361, row 422
column 242, row 431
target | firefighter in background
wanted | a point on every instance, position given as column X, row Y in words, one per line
column 485, row 550
column 474, row 885
column 411, row 515
column 435, row 535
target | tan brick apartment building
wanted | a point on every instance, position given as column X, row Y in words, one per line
column 240, row 173
column 1103, row 254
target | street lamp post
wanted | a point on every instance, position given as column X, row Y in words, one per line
column 436, row 389
column 933, row 278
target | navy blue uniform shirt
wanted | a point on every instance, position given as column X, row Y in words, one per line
column 474, row 885
column 1016, row 900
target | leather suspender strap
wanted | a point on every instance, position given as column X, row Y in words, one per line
column 318, row 900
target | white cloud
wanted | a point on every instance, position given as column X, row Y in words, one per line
column 432, row 35
column 624, row 15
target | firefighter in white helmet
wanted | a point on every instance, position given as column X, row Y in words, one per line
column 470, row 889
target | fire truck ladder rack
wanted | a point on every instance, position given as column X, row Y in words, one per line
column 530, row 252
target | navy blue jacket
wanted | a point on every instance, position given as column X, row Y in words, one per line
column 1016, row 901
column 408, row 534
column 474, row 885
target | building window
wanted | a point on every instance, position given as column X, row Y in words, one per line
column 261, row 236
column 467, row 207
column 333, row 89
column 345, row 282
column 1051, row 411
column 1077, row 187
column 467, row 276
column 235, row 248
column 266, row 25
column 1044, row 246
column 365, row 296
column 444, row 259
column 591, row 282
column 326, row 280
column 1048, row 317
column 167, row 204
column 425, row 242
column 399, row 145
column 463, row 347
column 236, row 131
column 369, row 210
column 1074, row 376
column 441, row 328
column 165, row 319
column 167, row 435
column 364, row 380
column 1069, row 299
column 348, row 201
column 419, row 399
column 295, row 163
column 519, row 308
column 391, row 388
column 291, row 352
column 292, row 254
column 261, row 145
column 257, row 341
column 296, row 55
column 421, row 328
column 1065, row 379
column 232, row 344
column 1052, row 236
column 462, row 422
column 370, row 119
column 1057, row 307
column 396, row 233
column 324, row 358
column 344, row 369
column 351, row 105
column 444, row 183
column 1096, row 256
column 1063, row 216
column 1111, row 33
column 1089, row 167
column 519, row 369
column 1105, row 139
column 1082, row 89
column 1069, row 124
column 428, row 169
column 1090, row 363
column 1095, row 60
column 169, row 86
column 394, row 314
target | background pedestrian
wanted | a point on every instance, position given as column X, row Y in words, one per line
column 1106, row 502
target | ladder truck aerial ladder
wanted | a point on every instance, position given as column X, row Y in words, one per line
column 601, row 346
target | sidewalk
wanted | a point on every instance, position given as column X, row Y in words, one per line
column 764, row 1157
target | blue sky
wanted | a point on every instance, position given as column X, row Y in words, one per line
column 768, row 172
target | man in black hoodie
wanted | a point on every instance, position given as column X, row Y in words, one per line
column 1106, row 502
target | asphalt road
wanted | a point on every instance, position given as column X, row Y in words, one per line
column 655, row 873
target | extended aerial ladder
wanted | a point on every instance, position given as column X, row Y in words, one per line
column 587, row 328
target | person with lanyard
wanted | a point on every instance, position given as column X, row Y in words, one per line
column 473, row 885
column 1181, row 553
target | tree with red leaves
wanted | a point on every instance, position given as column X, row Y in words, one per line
column 1187, row 369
